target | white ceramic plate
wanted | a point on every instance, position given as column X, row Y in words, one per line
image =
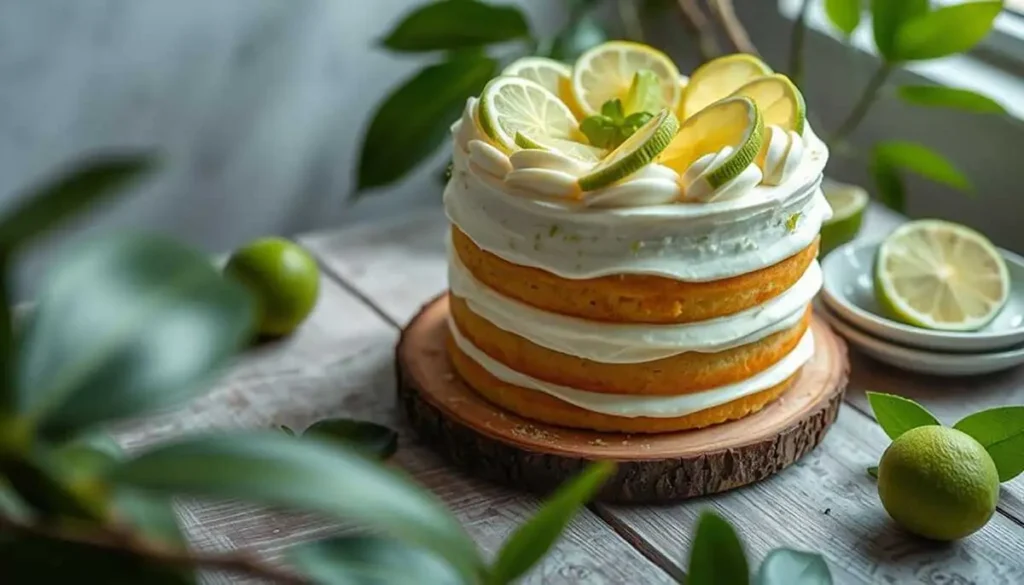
column 916, row 360
column 849, row 291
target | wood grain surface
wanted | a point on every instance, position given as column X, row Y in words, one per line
column 825, row 502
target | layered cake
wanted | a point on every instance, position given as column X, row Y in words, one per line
column 632, row 250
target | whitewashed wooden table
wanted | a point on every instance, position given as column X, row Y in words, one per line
column 375, row 278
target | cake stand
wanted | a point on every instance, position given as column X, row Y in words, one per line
column 508, row 449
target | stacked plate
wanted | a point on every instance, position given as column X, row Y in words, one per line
column 848, row 303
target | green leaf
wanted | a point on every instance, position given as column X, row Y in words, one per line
column 897, row 415
column 873, row 471
column 644, row 95
column 1001, row 431
column 70, row 192
column 601, row 131
column 946, row 31
column 414, row 120
column 310, row 474
column 367, row 437
column 888, row 17
column 613, row 110
column 717, row 556
column 531, row 541
column 585, row 33
column 11, row 504
column 935, row 96
column 844, row 14
column 923, row 161
column 369, row 560
column 151, row 516
column 890, row 188
column 455, row 24
column 784, row 566
column 126, row 325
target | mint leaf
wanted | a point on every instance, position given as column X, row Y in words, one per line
column 945, row 31
column 936, row 96
column 1001, row 432
column 844, row 14
column 601, row 131
column 717, row 556
column 897, row 415
column 785, row 566
column 644, row 94
column 613, row 109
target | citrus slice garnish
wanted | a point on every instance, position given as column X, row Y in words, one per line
column 733, row 122
column 576, row 150
column 848, row 204
column 640, row 149
column 941, row 275
column 607, row 71
column 780, row 102
column 547, row 72
column 514, row 104
column 718, row 79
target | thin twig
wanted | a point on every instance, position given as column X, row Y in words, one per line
column 112, row 540
column 738, row 36
column 630, row 17
column 698, row 25
column 796, row 46
column 863, row 105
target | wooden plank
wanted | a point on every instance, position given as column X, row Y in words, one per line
column 341, row 363
column 826, row 502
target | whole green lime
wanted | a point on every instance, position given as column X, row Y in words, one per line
column 938, row 482
column 283, row 278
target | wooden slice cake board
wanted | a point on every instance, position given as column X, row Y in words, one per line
column 511, row 450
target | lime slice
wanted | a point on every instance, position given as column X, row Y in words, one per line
column 719, row 78
column 733, row 122
column 940, row 275
column 780, row 102
column 634, row 153
column 607, row 71
column 547, row 72
column 576, row 150
column 514, row 104
column 848, row 203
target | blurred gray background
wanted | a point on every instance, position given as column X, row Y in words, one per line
column 257, row 107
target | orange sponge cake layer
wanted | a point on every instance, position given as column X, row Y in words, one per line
column 631, row 298
column 548, row 409
column 680, row 374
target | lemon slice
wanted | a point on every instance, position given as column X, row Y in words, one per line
column 634, row 153
column 576, row 150
column 734, row 122
column 941, row 275
column 780, row 102
column 547, row 72
column 719, row 78
column 515, row 104
column 683, row 82
column 606, row 72
column 848, row 203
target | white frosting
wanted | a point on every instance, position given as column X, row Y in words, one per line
column 698, row 188
column 784, row 149
column 632, row 406
column 621, row 343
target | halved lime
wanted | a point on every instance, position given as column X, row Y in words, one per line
column 576, row 150
column 632, row 155
column 514, row 104
column 848, row 204
column 780, row 102
column 719, row 78
column 734, row 122
column 941, row 275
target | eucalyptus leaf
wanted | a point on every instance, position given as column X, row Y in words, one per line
column 921, row 160
column 310, row 474
column 937, row 96
column 1001, row 431
column 945, row 31
column 888, row 17
column 717, row 556
column 413, row 121
column 456, row 24
column 888, row 183
column 68, row 193
column 784, row 566
column 582, row 34
column 125, row 325
column 897, row 415
column 367, row 437
column 532, row 540
column 369, row 560
column 844, row 14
